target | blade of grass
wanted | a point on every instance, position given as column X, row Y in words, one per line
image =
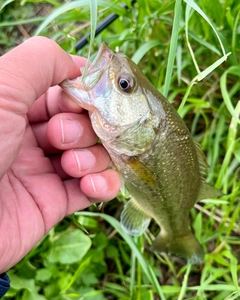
column 173, row 45
column 235, row 35
column 139, row 242
column 210, row 69
column 84, row 264
column 231, row 142
column 5, row 3
column 234, row 70
column 187, row 17
column 179, row 63
column 22, row 22
column 132, row 274
column 93, row 24
column 184, row 100
column 214, row 287
column 198, row 9
column 185, row 282
column 75, row 5
column 200, row 77
column 61, row 10
column 204, row 43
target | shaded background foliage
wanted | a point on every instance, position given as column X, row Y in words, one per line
column 106, row 263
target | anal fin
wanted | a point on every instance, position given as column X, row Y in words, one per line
column 134, row 220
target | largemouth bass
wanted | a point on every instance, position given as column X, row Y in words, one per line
column 162, row 167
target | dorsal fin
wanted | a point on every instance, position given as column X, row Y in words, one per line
column 206, row 190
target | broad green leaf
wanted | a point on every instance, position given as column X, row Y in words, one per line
column 19, row 283
column 69, row 247
column 43, row 274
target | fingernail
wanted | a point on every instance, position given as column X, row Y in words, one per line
column 71, row 130
column 84, row 158
column 98, row 182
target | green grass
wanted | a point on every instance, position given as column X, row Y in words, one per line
column 183, row 47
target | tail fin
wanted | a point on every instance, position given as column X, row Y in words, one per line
column 186, row 246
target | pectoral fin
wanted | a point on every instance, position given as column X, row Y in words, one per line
column 134, row 220
column 141, row 171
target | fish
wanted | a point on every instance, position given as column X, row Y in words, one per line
column 161, row 165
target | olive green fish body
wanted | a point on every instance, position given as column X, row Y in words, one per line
column 169, row 185
column 162, row 167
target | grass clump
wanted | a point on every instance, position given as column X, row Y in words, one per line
column 190, row 51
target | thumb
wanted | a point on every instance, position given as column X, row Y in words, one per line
column 26, row 73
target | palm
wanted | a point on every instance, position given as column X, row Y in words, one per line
column 36, row 192
column 29, row 194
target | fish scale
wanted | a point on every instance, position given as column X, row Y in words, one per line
column 161, row 165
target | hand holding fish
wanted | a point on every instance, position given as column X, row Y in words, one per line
column 47, row 144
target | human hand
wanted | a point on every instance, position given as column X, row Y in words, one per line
column 39, row 171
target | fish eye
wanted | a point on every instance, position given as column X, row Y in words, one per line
column 126, row 83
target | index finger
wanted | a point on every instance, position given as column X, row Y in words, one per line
column 26, row 73
column 30, row 69
column 55, row 101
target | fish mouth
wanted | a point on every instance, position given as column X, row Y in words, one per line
column 79, row 89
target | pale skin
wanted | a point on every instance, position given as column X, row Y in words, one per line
column 50, row 162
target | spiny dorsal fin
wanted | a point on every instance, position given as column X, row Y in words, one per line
column 206, row 190
column 134, row 220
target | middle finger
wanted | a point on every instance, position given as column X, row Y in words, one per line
column 65, row 131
